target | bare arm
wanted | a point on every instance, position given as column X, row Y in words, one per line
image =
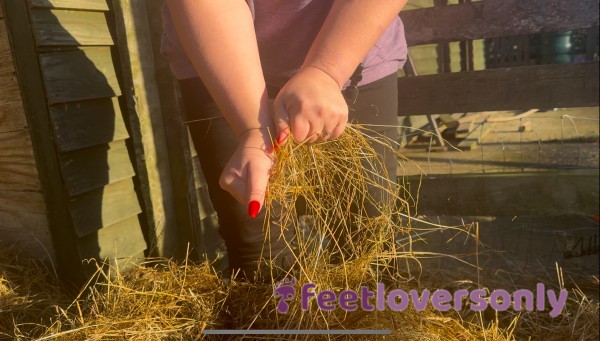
column 311, row 105
column 219, row 39
column 350, row 30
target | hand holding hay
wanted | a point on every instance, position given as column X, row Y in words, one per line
column 351, row 208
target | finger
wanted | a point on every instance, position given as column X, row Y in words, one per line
column 235, row 186
column 282, row 122
column 300, row 127
column 316, row 130
column 328, row 130
column 337, row 131
column 258, row 179
column 341, row 124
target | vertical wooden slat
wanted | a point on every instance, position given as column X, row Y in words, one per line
column 147, row 126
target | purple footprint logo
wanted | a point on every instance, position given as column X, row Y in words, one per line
column 285, row 292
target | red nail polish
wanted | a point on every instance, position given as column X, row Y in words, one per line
column 280, row 138
column 253, row 208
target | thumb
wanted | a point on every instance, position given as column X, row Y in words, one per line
column 257, row 181
column 282, row 122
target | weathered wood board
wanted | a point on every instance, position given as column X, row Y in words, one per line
column 12, row 116
column 522, row 88
column 23, row 212
column 78, row 75
column 148, row 128
column 70, row 28
column 496, row 18
column 20, row 201
column 18, row 170
column 123, row 239
column 88, row 123
column 27, row 233
column 573, row 192
column 103, row 207
column 90, row 5
column 92, row 168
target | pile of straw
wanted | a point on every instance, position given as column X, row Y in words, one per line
column 345, row 237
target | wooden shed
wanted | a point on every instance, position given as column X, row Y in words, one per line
column 89, row 165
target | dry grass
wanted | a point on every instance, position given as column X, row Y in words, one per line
column 347, row 236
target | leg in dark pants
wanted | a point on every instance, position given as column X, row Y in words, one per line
column 215, row 142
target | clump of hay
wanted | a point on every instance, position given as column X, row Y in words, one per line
column 29, row 294
column 347, row 236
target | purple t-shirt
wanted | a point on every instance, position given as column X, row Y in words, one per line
column 285, row 31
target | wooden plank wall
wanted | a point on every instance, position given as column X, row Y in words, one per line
column 76, row 54
column 23, row 212
column 68, row 73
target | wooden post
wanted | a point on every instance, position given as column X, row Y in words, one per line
column 150, row 143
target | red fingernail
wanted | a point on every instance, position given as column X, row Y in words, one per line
column 280, row 138
column 253, row 208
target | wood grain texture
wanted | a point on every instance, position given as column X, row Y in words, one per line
column 18, row 170
column 496, row 18
column 12, row 116
column 146, row 112
column 79, row 75
column 70, row 28
column 509, row 194
column 20, row 201
column 87, row 123
column 30, row 78
column 522, row 88
column 27, row 233
column 91, row 5
column 103, row 207
column 120, row 240
column 91, row 168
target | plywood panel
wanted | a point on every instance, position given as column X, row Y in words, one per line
column 71, row 76
column 93, row 5
column 19, row 201
column 18, row 170
column 123, row 239
column 96, row 167
column 27, row 232
column 12, row 116
column 70, row 28
column 103, row 207
column 87, row 123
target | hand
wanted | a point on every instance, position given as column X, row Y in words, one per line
column 246, row 175
column 311, row 107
